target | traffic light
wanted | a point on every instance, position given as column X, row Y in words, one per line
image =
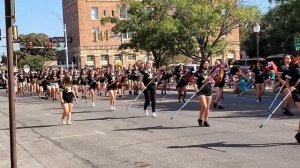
column 49, row 45
column 30, row 44
column 0, row 35
column 15, row 32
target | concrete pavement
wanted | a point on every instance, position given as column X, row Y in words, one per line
column 101, row 138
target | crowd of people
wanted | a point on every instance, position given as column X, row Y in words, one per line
column 67, row 85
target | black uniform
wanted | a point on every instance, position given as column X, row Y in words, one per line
column 150, row 91
column 75, row 80
column 283, row 70
column 111, row 84
column 67, row 95
column 294, row 76
column 179, row 78
column 260, row 75
column 92, row 82
column 200, row 77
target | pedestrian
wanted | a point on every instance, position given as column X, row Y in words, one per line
column 112, row 86
column 66, row 97
column 203, row 88
column 219, row 84
column 282, row 72
column 259, row 76
column 92, row 82
column 147, row 82
column 180, row 74
column 292, row 83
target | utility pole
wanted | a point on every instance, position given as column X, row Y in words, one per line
column 9, row 19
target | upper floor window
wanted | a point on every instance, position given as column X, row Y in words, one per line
column 94, row 13
column 112, row 13
column 104, row 13
column 95, row 32
column 123, row 13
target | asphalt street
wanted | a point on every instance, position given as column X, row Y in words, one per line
column 99, row 137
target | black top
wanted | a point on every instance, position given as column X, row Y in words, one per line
column 283, row 70
column 260, row 75
column 60, row 77
column 148, row 75
column 92, row 80
column 200, row 77
column 135, row 74
column 111, row 77
column 294, row 76
column 21, row 78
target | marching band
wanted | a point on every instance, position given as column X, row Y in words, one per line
column 113, row 81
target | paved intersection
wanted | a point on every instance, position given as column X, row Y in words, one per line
column 101, row 138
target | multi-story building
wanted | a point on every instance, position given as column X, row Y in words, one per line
column 95, row 45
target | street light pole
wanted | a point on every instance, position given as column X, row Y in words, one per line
column 257, row 45
column 256, row 30
column 66, row 45
column 66, row 38
column 9, row 17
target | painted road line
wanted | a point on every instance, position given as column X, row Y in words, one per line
column 79, row 135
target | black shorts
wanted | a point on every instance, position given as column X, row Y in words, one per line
column 296, row 95
column 204, row 93
column 112, row 87
column 67, row 99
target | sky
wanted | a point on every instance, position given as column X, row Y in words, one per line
column 36, row 16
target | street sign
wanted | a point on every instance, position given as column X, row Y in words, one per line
column 60, row 39
column 297, row 43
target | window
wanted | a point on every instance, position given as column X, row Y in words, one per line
column 104, row 13
column 90, row 58
column 127, row 35
column 104, row 57
column 94, row 13
column 112, row 13
column 95, row 33
column 104, row 60
column 131, row 57
column 118, row 57
column 123, row 13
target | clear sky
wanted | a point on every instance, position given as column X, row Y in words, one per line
column 36, row 16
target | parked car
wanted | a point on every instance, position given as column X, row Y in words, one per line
column 245, row 64
column 277, row 59
column 193, row 67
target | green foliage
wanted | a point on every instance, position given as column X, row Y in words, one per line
column 38, row 40
column 279, row 27
column 170, row 27
column 35, row 62
column 204, row 23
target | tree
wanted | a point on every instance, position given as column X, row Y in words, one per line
column 38, row 40
column 279, row 27
column 152, row 27
column 35, row 62
column 3, row 59
column 204, row 23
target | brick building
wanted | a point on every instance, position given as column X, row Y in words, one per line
column 95, row 45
